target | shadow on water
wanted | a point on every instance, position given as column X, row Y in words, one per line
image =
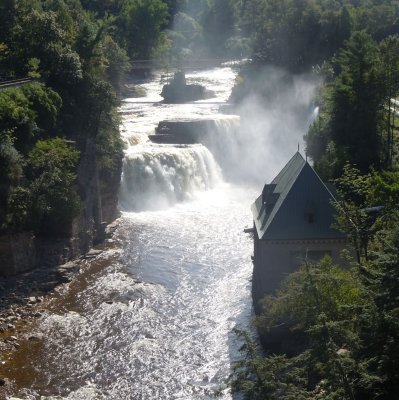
column 243, row 323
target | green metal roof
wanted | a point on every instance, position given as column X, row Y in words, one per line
column 295, row 205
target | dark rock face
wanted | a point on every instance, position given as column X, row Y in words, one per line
column 179, row 92
column 17, row 253
column 183, row 94
column 99, row 199
column 183, row 131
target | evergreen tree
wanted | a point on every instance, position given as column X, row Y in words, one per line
column 357, row 102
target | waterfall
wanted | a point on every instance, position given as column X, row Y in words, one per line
column 313, row 116
column 223, row 140
column 156, row 177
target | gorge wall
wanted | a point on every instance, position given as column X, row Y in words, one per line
column 99, row 198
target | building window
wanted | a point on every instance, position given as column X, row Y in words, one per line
column 310, row 212
column 298, row 258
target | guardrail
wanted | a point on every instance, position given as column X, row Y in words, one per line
column 16, row 82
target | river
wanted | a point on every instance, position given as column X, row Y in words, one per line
column 152, row 317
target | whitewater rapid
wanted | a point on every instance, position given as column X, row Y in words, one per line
column 152, row 317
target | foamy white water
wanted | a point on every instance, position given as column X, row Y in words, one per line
column 180, row 287
column 159, row 176
column 156, row 323
column 153, row 319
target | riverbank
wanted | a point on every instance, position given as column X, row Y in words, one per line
column 25, row 298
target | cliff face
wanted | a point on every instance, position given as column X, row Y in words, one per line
column 99, row 198
column 17, row 253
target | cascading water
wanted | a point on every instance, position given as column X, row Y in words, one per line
column 157, row 177
column 153, row 318
column 224, row 142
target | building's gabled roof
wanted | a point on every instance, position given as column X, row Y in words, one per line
column 295, row 205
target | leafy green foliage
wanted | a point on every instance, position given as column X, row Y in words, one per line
column 219, row 22
column 11, row 170
column 11, row 162
column 27, row 111
column 349, row 315
column 53, row 153
column 78, row 50
column 46, row 104
column 389, row 56
column 312, row 291
column 139, row 26
column 117, row 63
column 17, row 119
column 296, row 34
column 321, row 300
column 357, row 100
column 382, row 337
column 354, row 192
column 271, row 377
column 356, row 117
column 54, row 201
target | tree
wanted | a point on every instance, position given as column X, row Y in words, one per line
column 219, row 25
column 389, row 56
column 378, row 322
column 321, row 300
column 357, row 99
column 348, row 128
column 54, row 200
column 354, row 198
column 139, row 26
column 28, row 112
column 270, row 377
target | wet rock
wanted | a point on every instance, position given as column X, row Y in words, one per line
column 11, row 327
column 149, row 335
column 32, row 299
column 177, row 91
column 68, row 267
column 110, row 230
column 92, row 254
column 183, row 131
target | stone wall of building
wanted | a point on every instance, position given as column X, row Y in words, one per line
column 275, row 260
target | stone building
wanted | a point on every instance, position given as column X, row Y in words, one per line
column 293, row 220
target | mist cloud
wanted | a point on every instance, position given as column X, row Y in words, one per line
column 272, row 127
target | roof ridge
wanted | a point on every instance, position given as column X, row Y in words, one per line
column 295, row 158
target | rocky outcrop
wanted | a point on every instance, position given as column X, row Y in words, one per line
column 177, row 91
column 183, row 131
column 17, row 253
